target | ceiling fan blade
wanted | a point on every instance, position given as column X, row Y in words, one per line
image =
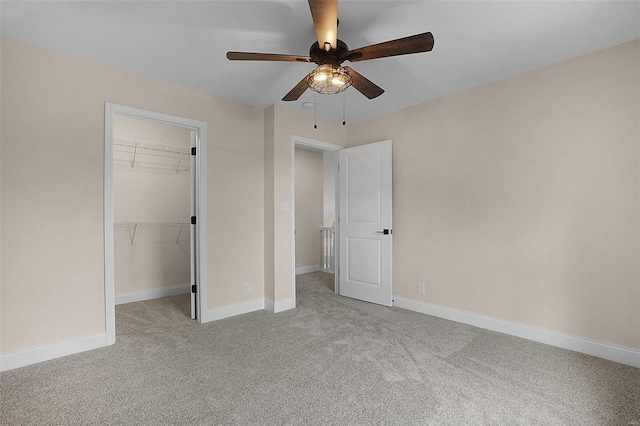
column 402, row 46
column 298, row 90
column 325, row 21
column 364, row 85
column 247, row 56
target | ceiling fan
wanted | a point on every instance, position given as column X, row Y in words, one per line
column 329, row 53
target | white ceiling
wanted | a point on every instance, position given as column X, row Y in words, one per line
column 185, row 42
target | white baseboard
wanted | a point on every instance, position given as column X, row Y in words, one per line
column 596, row 348
column 18, row 359
column 307, row 269
column 275, row 307
column 154, row 293
column 233, row 310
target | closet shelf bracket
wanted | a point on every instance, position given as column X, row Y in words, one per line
column 180, row 233
column 179, row 162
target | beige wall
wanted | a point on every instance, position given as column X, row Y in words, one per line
column 1, row 133
column 519, row 199
column 52, row 189
column 151, row 191
column 309, row 182
column 269, row 202
column 278, row 150
column 329, row 188
column 149, row 131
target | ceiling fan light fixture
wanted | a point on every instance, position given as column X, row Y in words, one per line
column 337, row 82
column 321, row 76
column 329, row 79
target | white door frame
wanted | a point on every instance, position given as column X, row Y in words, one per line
column 111, row 111
column 300, row 142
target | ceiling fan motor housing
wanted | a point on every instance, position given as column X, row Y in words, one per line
column 333, row 57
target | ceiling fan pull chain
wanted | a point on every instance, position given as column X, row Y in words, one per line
column 315, row 111
column 344, row 103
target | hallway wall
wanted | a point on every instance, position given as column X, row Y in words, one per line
column 309, row 182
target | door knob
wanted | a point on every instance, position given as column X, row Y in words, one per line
column 385, row 231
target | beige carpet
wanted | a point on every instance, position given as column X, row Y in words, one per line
column 332, row 360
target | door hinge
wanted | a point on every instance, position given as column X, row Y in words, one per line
column 193, row 220
column 193, row 150
column 194, row 288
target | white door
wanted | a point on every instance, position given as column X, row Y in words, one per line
column 192, row 227
column 365, row 223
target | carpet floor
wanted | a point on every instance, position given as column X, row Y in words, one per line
column 333, row 360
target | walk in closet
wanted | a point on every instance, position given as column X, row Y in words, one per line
column 152, row 183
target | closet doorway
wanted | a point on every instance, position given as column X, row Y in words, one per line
column 314, row 241
column 154, row 198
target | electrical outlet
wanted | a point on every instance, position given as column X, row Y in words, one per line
column 247, row 288
column 420, row 288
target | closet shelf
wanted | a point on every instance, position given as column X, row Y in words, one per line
column 133, row 227
column 136, row 146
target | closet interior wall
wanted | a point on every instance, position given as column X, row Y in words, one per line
column 152, row 185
